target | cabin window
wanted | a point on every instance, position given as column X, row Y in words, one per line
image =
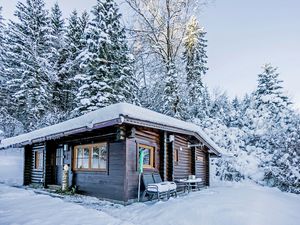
column 38, row 160
column 148, row 160
column 176, row 156
column 99, row 154
column 200, row 159
column 90, row 157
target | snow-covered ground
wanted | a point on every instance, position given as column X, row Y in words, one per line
column 243, row 204
column 11, row 166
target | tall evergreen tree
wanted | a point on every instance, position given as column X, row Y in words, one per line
column 121, row 67
column 3, row 89
column 75, row 39
column 2, row 39
column 171, row 98
column 59, row 58
column 269, row 94
column 195, row 59
column 57, row 25
column 75, row 42
column 29, row 68
column 108, row 76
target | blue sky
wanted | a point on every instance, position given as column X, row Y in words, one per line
column 242, row 36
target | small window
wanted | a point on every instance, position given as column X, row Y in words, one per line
column 38, row 160
column 148, row 160
column 99, row 157
column 91, row 157
column 176, row 156
column 200, row 159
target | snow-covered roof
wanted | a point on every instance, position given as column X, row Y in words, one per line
column 117, row 112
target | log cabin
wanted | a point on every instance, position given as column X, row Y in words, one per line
column 101, row 149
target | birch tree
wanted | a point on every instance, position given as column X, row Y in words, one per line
column 159, row 31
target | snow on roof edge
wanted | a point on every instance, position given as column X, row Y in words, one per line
column 105, row 114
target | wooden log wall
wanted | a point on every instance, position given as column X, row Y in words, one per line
column 105, row 184
column 151, row 138
column 37, row 175
column 183, row 168
column 207, row 171
column 170, row 161
column 50, row 153
column 147, row 137
column 202, row 165
column 27, row 164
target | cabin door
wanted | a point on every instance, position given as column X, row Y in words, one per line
column 59, row 165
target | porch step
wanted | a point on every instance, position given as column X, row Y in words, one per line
column 54, row 187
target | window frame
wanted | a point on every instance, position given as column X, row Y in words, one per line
column 176, row 156
column 38, row 160
column 90, row 158
column 59, row 157
column 152, row 155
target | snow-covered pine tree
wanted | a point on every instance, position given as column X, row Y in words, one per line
column 2, row 38
column 57, row 25
column 8, row 124
column 220, row 107
column 107, row 70
column 75, row 39
column 94, row 91
column 58, row 58
column 172, row 104
column 268, row 123
column 264, row 110
column 195, row 59
column 282, row 169
column 29, row 69
column 236, row 116
column 3, row 89
column 74, row 44
column 269, row 94
column 121, row 67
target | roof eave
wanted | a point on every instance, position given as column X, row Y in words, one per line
column 150, row 124
column 65, row 133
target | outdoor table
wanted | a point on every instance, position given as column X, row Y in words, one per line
column 189, row 183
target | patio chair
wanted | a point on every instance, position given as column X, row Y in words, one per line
column 172, row 185
column 154, row 189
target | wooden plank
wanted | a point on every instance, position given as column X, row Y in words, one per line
column 27, row 164
column 37, row 175
column 184, row 166
column 145, row 136
column 202, row 165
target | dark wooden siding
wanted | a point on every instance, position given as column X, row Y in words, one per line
column 183, row 168
column 120, row 181
column 37, row 175
column 109, row 184
column 170, row 161
column 131, row 170
column 152, row 138
column 27, row 164
column 202, row 165
column 207, row 183
column 50, row 163
column 142, row 136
